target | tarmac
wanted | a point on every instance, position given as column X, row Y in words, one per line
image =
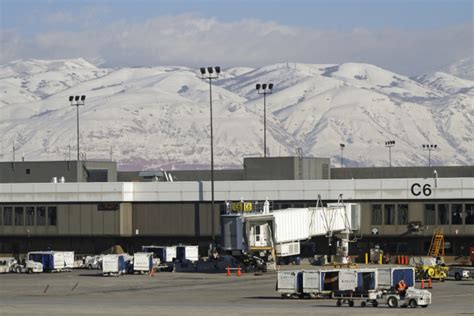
column 87, row 292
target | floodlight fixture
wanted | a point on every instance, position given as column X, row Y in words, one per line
column 264, row 86
column 270, row 86
column 218, row 69
column 210, row 70
column 76, row 98
column 71, row 98
column 203, row 70
column 83, row 97
column 257, row 86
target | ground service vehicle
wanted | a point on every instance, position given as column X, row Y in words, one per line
column 6, row 264
column 28, row 266
column 412, row 298
column 459, row 273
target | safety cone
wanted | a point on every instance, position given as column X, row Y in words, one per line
column 238, row 271
column 406, row 260
column 228, row 271
column 402, row 260
column 422, row 283
column 430, row 283
column 398, row 259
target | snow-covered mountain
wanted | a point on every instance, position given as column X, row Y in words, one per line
column 158, row 117
column 463, row 68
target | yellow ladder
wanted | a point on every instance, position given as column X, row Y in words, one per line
column 437, row 243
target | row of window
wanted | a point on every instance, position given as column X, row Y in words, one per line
column 28, row 216
column 389, row 214
column 434, row 214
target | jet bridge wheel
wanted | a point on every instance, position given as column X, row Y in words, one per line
column 351, row 303
column 339, row 303
column 363, row 304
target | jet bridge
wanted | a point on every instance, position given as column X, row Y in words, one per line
column 282, row 230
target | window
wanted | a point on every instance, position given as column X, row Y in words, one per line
column 7, row 216
column 469, row 214
column 1, row 216
column 443, row 214
column 389, row 218
column 18, row 216
column 402, row 214
column 376, row 214
column 40, row 215
column 430, row 218
column 456, row 214
column 30, row 216
column 52, row 215
column 28, row 171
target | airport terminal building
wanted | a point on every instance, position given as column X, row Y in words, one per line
column 95, row 207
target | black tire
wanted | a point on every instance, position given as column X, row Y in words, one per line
column 338, row 303
column 363, row 304
column 424, row 306
column 412, row 304
column 375, row 304
column 351, row 303
column 89, row 267
column 30, row 271
column 457, row 276
column 392, row 302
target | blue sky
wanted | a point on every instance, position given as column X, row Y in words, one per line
column 36, row 28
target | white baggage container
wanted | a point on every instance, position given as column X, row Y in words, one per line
column 190, row 253
column 291, row 225
column 113, row 264
column 347, row 280
column 389, row 277
column 51, row 260
column 142, row 261
column 312, row 282
column 69, row 259
column 289, row 282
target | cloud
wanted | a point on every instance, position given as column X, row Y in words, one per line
column 192, row 40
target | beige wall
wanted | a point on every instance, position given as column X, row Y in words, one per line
column 174, row 219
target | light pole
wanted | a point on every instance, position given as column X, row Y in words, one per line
column 210, row 73
column 264, row 89
column 342, row 154
column 429, row 148
column 389, row 144
column 77, row 101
